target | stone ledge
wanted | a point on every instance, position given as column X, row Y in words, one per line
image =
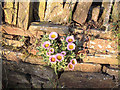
column 14, row 30
column 18, row 56
column 86, row 67
column 20, row 75
column 102, row 59
column 96, row 33
column 103, row 45
column 48, row 27
column 111, row 72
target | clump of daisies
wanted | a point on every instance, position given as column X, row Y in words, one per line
column 58, row 51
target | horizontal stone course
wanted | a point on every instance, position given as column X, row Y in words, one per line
column 102, row 59
column 18, row 56
column 86, row 67
column 48, row 27
column 25, row 73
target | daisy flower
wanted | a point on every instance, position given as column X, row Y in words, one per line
column 59, row 57
column 74, row 61
column 70, row 66
column 46, row 44
column 63, row 53
column 52, row 59
column 71, row 46
column 70, row 39
column 53, row 35
column 51, row 50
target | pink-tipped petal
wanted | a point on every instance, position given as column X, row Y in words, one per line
column 59, row 57
column 70, row 39
column 71, row 46
column 70, row 66
column 53, row 35
column 74, row 61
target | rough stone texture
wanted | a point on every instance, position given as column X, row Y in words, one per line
column 47, row 27
column 83, row 67
column 18, row 56
column 106, row 12
column 95, row 13
column 42, row 6
column 100, row 34
column 10, row 11
column 111, row 72
column 7, row 36
column 81, row 12
column 57, row 13
column 13, row 43
column 24, row 14
column 102, row 59
column 52, row 10
column 103, row 45
column 14, row 30
column 116, row 12
column 25, row 74
column 66, row 15
column 86, row 80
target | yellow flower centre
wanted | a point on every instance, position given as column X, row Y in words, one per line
column 71, row 46
column 70, row 66
column 51, row 50
column 53, row 36
column 53, row 59
column 59, row 57
column 70, row 40
column 46, row 45
column 73, row 62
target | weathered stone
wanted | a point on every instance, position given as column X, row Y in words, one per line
column 10, row 11
column 66, row 15
column 24, row 14
column 111, row 72
column 47, row 27
column 57, row 13
column 17, row 56
column 95, row 13
column 26, row 68
column 36, row 33
column 14, row 30
column 83, row 67
column 116, row 12
column 42, row 6
column 29, row 72
column 13, row 43
column 81, row 12
column 86, row 80
column 115, row 67
column 96, row 33
column 103, row 45
column 101, row 59
column 52, row 10
column 16, row 80
column 8, row 36
column 106, row 12
column 100, row 34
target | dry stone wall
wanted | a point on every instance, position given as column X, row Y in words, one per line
column 19, row 43
column 23, row 13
